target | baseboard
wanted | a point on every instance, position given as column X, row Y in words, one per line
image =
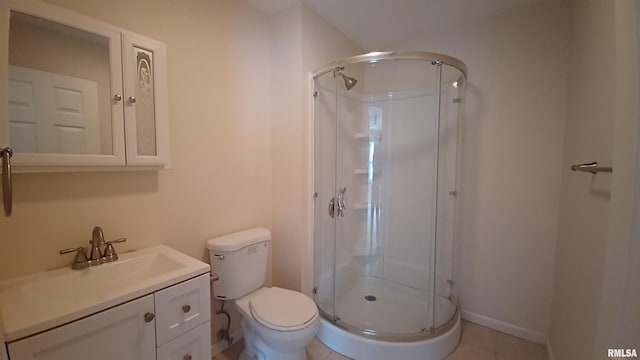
column 549, row 350
column 530, row 335
column 222, row 345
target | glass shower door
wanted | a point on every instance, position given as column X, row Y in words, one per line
column 351, row 174
column 386, row 172
column 385, row 137
column 325, row 127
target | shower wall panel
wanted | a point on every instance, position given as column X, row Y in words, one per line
column 409, row 193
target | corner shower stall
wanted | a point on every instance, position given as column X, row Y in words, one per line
column 386, row 148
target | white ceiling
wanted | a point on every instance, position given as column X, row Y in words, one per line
column 272, row 6
column 375, row 24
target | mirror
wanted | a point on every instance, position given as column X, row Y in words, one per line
column 59, row 89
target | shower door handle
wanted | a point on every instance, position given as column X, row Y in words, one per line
column 332, row 207
column 341, row 204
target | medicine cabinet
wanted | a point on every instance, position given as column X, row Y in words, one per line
column 82, row 94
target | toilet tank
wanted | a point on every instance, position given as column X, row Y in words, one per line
column 240, row 261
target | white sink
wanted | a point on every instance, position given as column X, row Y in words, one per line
column 41, row 301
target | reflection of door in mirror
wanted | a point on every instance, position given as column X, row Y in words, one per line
column 59, row 88
column 52, row 113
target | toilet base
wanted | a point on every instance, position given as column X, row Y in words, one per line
column 256, row 349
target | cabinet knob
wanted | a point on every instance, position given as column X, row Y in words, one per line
column 187, row 357
column 117, row 97
column 148, row 317
column 132, row 99
column 186, row 308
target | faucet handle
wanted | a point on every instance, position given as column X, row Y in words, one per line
column 80, row 261
column 120, row 240
column 110, row 252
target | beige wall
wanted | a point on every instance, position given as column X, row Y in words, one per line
column 512, row 160
column 596, row 303
column 287, row 231
column 220, row 123
column 619, row 313
column 229, row 159
column 302, row 42
column 585, row 199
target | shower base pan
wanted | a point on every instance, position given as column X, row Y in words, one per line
column 373, row 303
column 359, row 347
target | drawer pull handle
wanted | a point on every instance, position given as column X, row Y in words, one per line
column 186, row 308
column 186, row 357
column 148, row 317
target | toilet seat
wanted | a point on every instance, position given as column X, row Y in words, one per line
column 281, row 309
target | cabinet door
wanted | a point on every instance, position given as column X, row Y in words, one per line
column 65, row 77
column 194, row 345
column 182, row 307
column 146, row 113
column 119, row 333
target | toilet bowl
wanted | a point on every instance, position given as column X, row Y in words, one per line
column 276, row 323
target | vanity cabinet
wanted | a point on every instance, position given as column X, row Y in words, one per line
column 181, row 308
column 172, row 323
column 193, row 345
column 118, row 333
column 82, row 94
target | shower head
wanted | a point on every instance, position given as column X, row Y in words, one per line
column 349, row 82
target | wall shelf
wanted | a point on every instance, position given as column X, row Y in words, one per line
column 365, row 206
column 371, row 136
column 366, row 172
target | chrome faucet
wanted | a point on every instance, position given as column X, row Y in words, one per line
column 97, row 255
column 97, row 242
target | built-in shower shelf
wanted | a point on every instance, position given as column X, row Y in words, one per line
column 366, row 172
column 365, row 206
column 371, row 136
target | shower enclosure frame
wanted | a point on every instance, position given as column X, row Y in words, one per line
column 393, row 55
column 450, row 328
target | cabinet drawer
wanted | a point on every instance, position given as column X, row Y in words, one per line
column 194, row 345
column 181, row 308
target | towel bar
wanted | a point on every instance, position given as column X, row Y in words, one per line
column 591, row 168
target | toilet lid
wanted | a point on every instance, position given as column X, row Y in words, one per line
column 282, row 309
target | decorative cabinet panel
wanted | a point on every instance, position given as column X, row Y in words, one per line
column 120, row 333
column 101, row 104
column 145, row 101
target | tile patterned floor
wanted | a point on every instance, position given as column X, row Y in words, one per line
column 478, row 343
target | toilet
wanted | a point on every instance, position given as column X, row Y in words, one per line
column 277, row 323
